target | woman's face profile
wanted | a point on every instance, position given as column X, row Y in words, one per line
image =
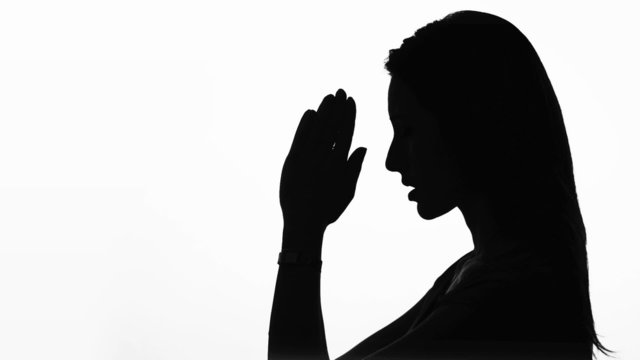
column 418, row 154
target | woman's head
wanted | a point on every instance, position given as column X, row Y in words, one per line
column 495, row 108
column 484, row 118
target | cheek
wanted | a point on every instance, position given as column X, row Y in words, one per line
column 432, row 168
column 426, row 158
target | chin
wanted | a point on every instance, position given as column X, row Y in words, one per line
column 430, row 212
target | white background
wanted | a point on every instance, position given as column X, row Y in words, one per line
column 141, row 145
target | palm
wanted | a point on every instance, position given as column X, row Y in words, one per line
column 318, row 181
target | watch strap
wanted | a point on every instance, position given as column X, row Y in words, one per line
column 300, row 259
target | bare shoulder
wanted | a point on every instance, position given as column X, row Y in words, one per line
column 402, row 325
column 536, row 303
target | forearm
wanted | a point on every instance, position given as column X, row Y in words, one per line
column 296, row 329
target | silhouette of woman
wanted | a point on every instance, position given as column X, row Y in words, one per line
column 477, row 126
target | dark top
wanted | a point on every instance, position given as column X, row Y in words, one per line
column 523, row 308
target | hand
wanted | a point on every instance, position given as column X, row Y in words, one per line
column 318, row 182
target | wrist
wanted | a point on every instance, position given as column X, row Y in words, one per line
column 304, row 239
column 299, row 261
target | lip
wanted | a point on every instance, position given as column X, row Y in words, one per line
column 412, row 194
column 407, row 183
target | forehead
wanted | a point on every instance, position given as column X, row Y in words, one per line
column 402, row 102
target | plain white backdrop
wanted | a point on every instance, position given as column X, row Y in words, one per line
column 141, row 145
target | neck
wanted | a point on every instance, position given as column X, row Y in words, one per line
column 491, row 241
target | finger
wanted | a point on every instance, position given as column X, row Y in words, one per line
column 347, row 125
column 337, row 123
column 304, row 134
column 354, row 166
column 323, row 136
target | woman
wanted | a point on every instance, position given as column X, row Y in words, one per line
column 477, row 126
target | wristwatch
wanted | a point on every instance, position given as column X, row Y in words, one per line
column 296, row 258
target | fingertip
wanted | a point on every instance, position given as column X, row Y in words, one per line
column 351, row 103
column 326, row 101
column 328, row 98
column 308, row 114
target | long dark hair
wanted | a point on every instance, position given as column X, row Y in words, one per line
column 498, row 113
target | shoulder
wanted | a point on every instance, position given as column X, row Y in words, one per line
column 532, row 303
column 511, row 311
column 400, row 327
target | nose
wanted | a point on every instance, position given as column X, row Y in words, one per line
column 394, row 159
column 389, row 163
column 395, row 162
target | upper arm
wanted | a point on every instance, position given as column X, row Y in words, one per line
column 386, row 335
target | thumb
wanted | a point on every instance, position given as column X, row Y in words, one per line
column 354, row 164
